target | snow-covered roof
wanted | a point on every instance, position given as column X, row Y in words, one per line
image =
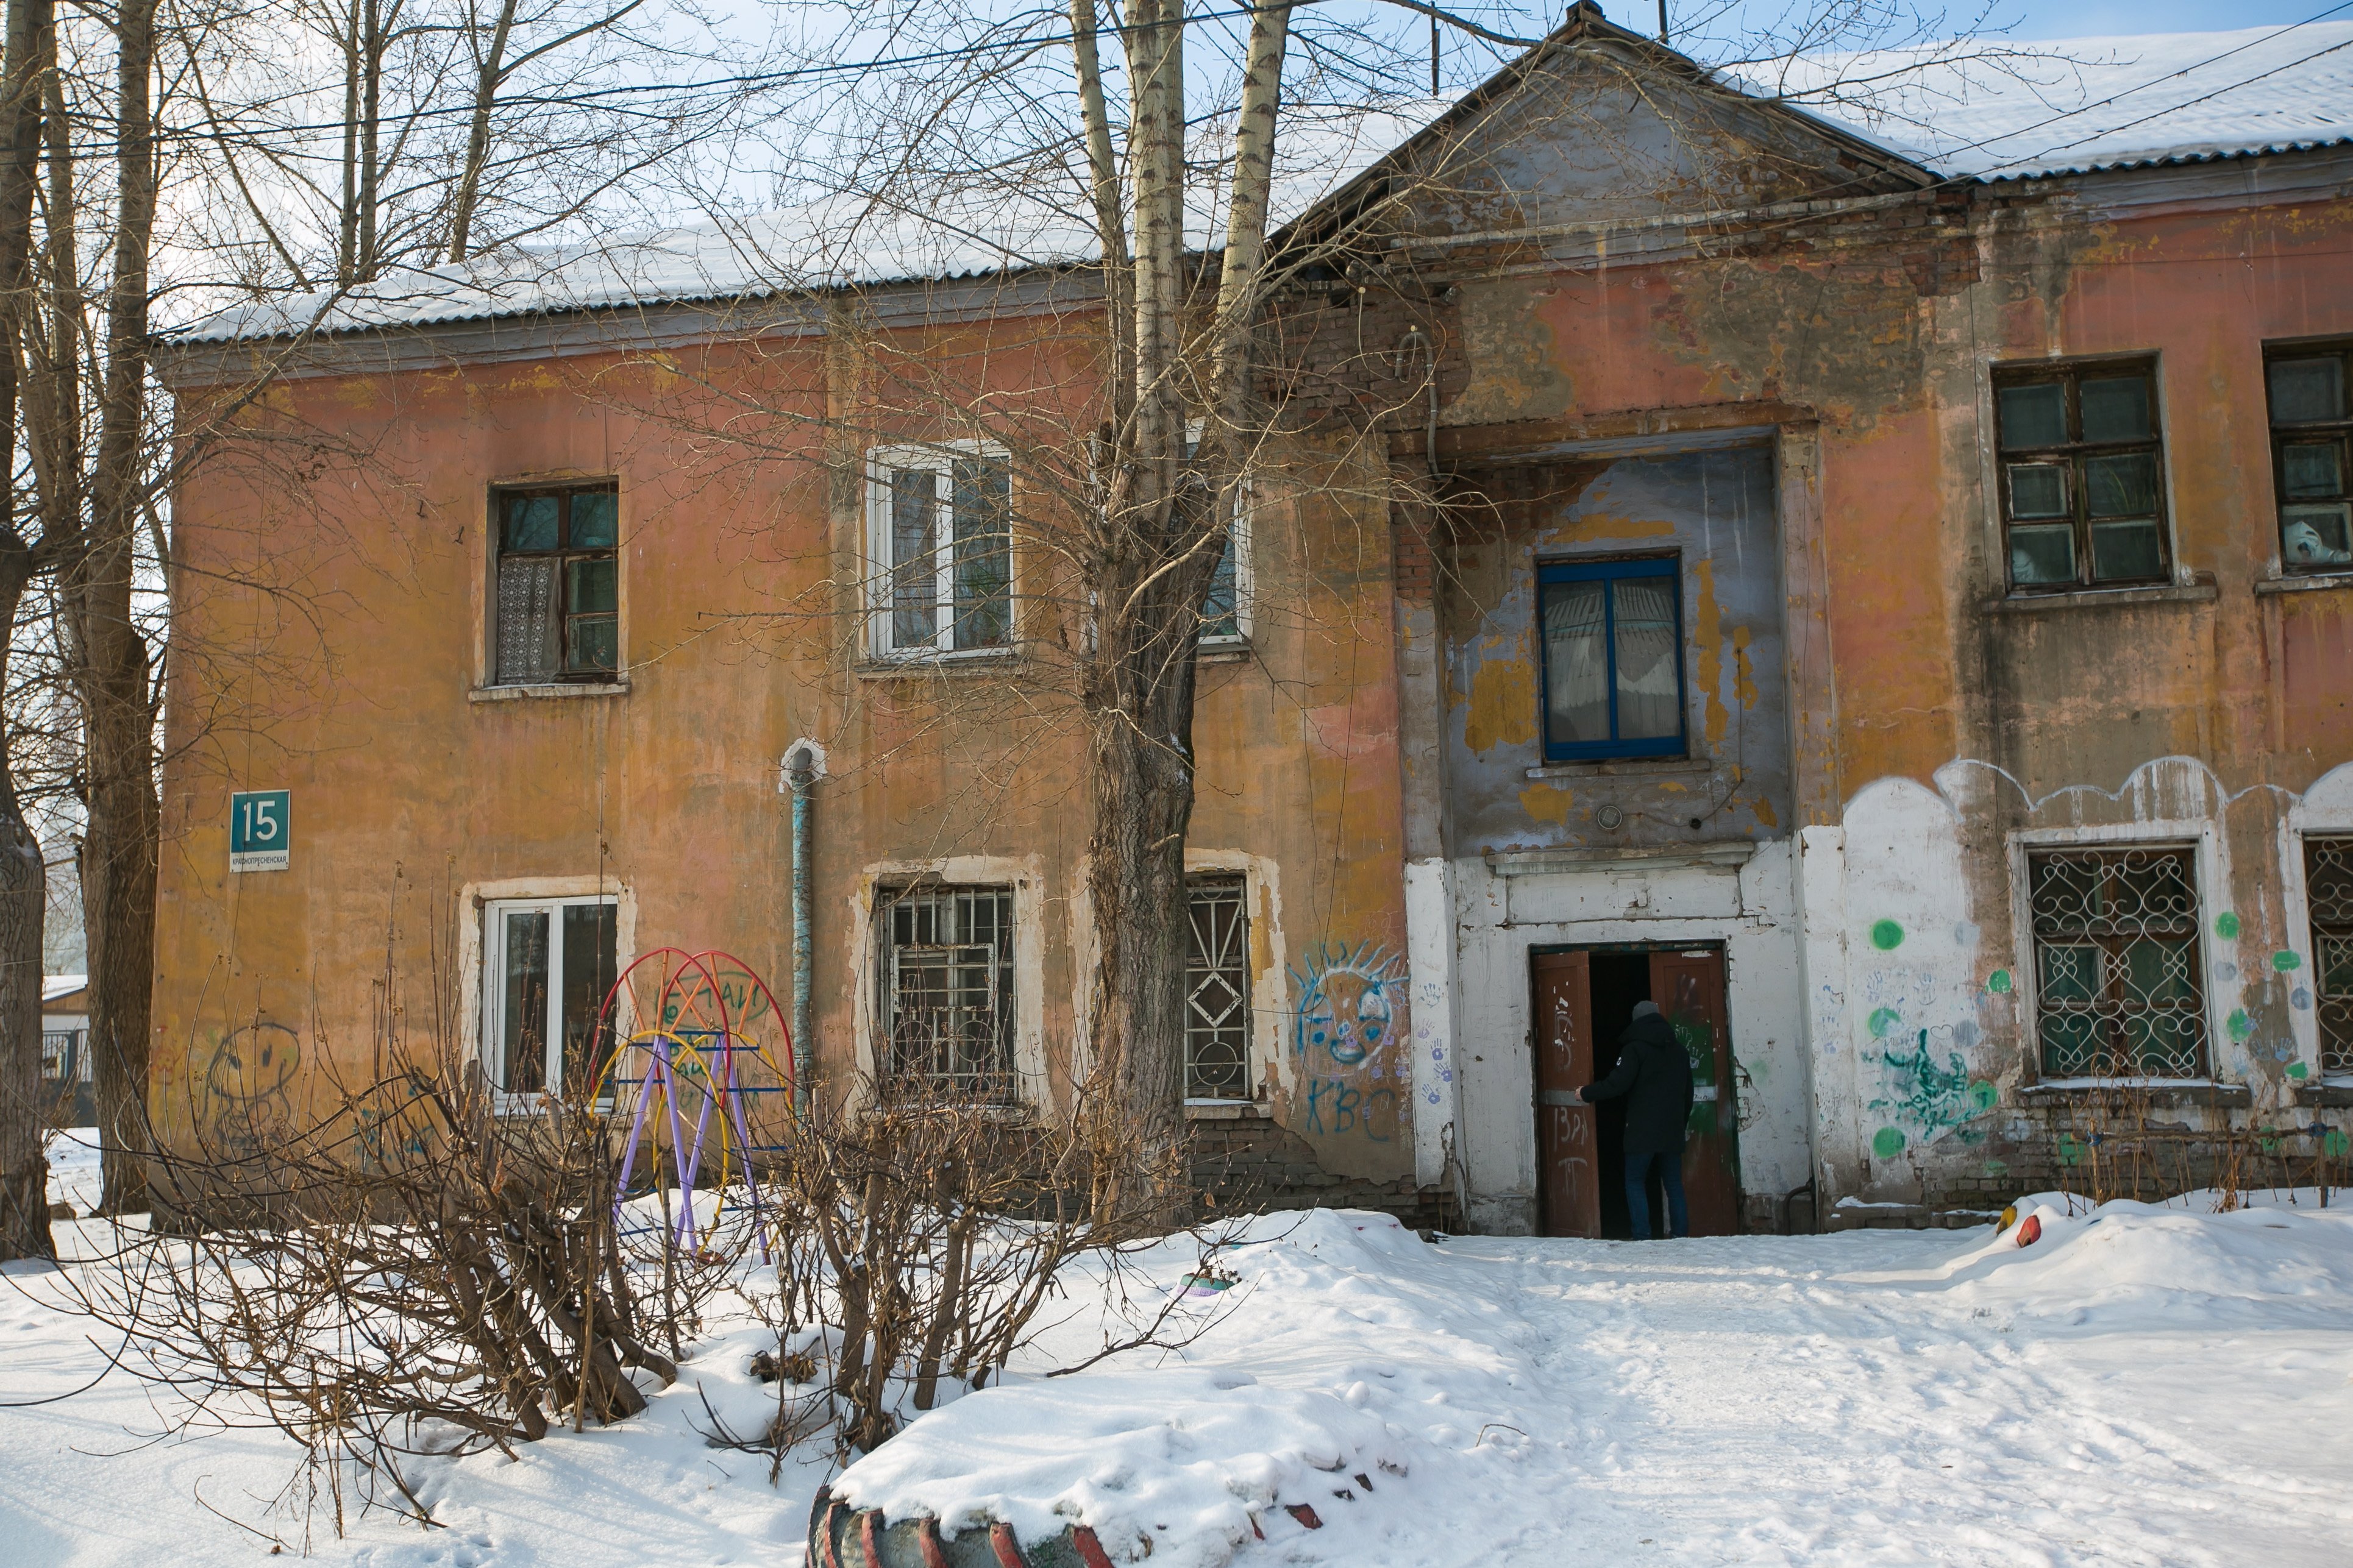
column 833, row 241
column 1991, row 110
column 2001, row 110
column 56, row 986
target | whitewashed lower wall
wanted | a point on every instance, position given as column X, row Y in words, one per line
column 1753, row 912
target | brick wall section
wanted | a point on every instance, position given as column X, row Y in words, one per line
column 1414, row 564
column 1252, row 1164
column 2121, row 1151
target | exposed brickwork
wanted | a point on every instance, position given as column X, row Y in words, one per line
column 1253, row 1163
column 2112, row 1148
column 1414, row 564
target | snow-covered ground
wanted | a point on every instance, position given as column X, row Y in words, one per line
column 2142, row 1385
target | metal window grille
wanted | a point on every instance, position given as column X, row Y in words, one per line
column 1217, row 991
column 2328, row 887
column 59, row 1056
column 948, row 989
column 2116, row 967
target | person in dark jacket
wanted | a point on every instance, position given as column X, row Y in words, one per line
column 1655, row 1074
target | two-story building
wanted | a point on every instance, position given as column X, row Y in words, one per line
column 1884, row 591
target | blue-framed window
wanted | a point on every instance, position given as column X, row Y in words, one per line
column 1613, row 658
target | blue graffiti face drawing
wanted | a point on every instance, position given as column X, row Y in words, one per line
column 1346, row 1009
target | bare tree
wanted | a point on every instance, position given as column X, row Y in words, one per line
column 24, row 878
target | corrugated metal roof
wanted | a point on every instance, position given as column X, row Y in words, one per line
column 1992, row 111
column 830, row 242
column 2001, row 110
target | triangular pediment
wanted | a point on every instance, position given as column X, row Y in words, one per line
column 1597, row 126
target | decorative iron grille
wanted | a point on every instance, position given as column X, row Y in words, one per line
column 2328, row 887
column 2116, row 952
column 1217, row 991
column 948, row 989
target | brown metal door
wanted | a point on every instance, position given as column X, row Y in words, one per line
column 1688, row 986
column 1568, row 1162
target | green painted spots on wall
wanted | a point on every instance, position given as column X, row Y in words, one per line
column 2240, row 1024
column 2070, row 1149
column 1883, row 1019
column 1982, row 1095
column 1999, row 982
column 2298, row 1071
column 2226, row 926
column 1887, row 1142
column 1997, row 1169
column 1886, row 936
column 2335, row 1144
column 2285, row 961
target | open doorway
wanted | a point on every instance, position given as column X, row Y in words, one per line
column 1584, row 999
column 1618, row 980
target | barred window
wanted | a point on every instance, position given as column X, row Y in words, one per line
column 2082, row 490
column 2312, row 456
column 2329, row 888
column 948, row 988
column 558, row 601
column 2116, row 966
column 1216, row 991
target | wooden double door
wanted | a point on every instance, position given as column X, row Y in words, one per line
column 1584, row 1000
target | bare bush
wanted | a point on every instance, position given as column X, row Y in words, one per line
column 924, row 1231
column 411, row 1274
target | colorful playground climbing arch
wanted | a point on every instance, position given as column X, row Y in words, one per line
column 699, row 1080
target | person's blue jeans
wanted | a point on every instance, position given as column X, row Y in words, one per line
column 1638, row 1196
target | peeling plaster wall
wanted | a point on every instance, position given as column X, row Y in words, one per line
column 1714, row 511
column 360, row 687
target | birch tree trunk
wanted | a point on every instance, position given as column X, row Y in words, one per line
column 119, row 851
column 1159, row 535
column 478, row 132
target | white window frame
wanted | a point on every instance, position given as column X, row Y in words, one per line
column 940, row 458
column 1245, row 580
column 1237, row 543
column 493, row 984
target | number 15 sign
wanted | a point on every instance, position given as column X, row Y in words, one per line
column 260, row 833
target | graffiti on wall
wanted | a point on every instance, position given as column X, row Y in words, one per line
column 245, row 1087
column 1347, row 1003
column 1352, row 1002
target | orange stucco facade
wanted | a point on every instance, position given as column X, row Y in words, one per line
column 1883, row 732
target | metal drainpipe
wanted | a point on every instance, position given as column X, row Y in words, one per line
column 800, row 773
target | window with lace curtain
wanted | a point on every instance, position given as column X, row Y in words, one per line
column 556, row 615
column 1613, row 658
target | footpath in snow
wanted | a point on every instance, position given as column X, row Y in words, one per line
column 2142, row 1385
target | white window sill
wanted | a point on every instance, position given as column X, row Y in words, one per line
column 1224, row 650
column 1225, row 1109
column 2160, row 1090
column 517, row 692
column 913, row 666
